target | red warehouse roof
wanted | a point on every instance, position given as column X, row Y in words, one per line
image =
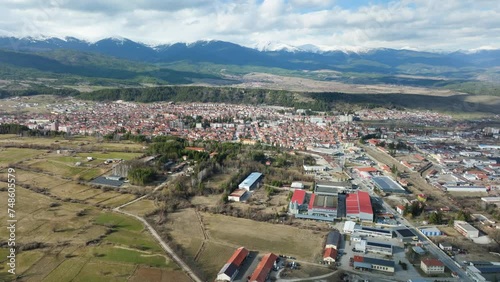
column 365, row 204
column 299, row 196
column 263, row 268
column 238, row 256
column 358, row 202
column 311, row 201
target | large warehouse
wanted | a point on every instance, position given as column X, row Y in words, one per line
column 359, row 206
column 312, row 206
column 387, row 184
column 251, row 182
column 329, row 207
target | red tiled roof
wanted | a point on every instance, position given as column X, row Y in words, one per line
column 299, row 196
column 238, row 256
column 330, row 253
column 367, row 169
column 432, row 262
column 263, row 268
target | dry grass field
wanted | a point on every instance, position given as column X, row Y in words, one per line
column 66, row 232
column 141, row 207
column 264, row 237
column 81, row 241
column 15, row 155
column 224, row 234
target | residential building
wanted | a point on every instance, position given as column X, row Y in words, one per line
column 432, row 266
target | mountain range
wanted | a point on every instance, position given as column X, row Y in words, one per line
column 307, row 57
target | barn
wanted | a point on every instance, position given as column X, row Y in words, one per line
column 261, row 272
column 229, row 271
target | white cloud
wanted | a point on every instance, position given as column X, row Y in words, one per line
column 428, row 24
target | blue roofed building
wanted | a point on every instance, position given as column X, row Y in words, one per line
column 252, row 181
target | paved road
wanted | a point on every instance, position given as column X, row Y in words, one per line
column 428, row 244
column 157, row 236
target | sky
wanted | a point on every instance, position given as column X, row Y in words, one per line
column 330, row 24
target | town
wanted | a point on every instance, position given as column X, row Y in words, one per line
column 387, row 194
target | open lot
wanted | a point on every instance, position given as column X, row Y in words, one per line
column 141, row 207
column 266, row 237
column 213, row 240
column 65, row 233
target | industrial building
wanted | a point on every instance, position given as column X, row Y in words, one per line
column 370, row 246
column 351, row 227
column 323, row 205
column 329, row 207
column 465, row 188
column 405, row 235
column 238, row 195
column 387, row 184
column 263, row 269
column 229, row 271
column 358, row 206
column 361, row 262
column 483, row 271
column 312, row 206
column 333, row 239
column 432, row 266
column 331, row 188
column 431, row 231
column 466, row 229
column 252, row 181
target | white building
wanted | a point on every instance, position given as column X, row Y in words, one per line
column 432, row 266
column 466, row 229
column 238, row 195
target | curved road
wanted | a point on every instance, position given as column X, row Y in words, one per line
column 157, row 236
